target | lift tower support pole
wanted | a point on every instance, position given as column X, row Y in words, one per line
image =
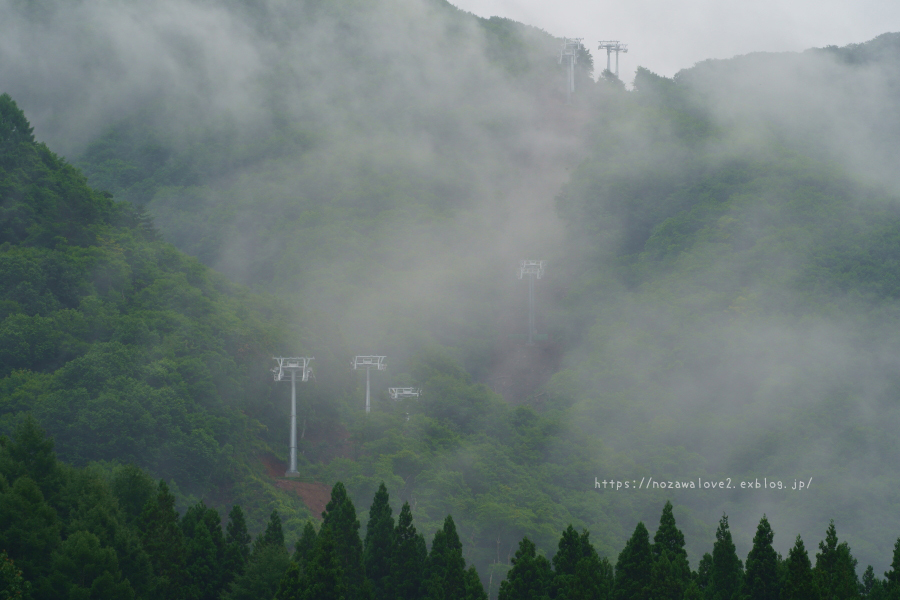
column 613, row 46
column 534, row 269
column 292, row 365
column 569, row 54
column 368, row 363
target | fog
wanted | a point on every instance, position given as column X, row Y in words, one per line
column 725, row 350
column 386, row 166
column 666, row 37
column 272, row 105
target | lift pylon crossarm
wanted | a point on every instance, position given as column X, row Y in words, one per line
column 532, row 267
column 399, row 393
column 569, row 49
column 295, row 363
column 369, row 362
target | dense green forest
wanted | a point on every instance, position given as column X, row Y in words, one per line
column 90, row 533
column 721, row 301
column 125, row 349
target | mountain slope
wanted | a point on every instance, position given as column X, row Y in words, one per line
column 123, row 348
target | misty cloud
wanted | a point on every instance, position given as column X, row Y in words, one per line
column 385, row 166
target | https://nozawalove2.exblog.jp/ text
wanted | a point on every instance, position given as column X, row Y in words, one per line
column 727, row 483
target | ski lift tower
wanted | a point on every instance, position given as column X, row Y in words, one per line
column 292, row 365
column 613, row 46
column 368, row 363
column 568, row 54
column 400, row 393
column 534, row 269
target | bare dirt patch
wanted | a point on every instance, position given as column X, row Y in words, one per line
column 314, row 495
column 274, row 467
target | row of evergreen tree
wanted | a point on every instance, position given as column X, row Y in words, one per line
column 82, row 533
column 392, row 562
column 68, row 533
column 659, row 570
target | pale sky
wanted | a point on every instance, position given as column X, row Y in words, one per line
column 666, row 36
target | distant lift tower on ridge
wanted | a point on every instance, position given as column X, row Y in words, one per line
column 292, row 365
column 534, row 269
column 568, row 55
column 368, row 363
column 613, row 46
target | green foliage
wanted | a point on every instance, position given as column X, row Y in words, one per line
column 761, row 575
column 530, row 576
column 568, row 553
column 30, row 453
column 29, row 527
column 445, row 567
column 89, row 504
column 798, row 575
column 835, row 571
column 343, row 543
column 703, row 571
column 273, row 535
column 133, row 489
column 408, row 558
column 204, row 552
column 164, row 542
column 263, row 574
column 872, row 587
column 692, row 592
column 291, row 583
column 46, row 201
column 474, row 587
column 726, row 575
column 634, row 567
column 82, row 568
column 14, row 129
column 237, row 544
column 453, row 398
column 578, row 572
column 671, row 572
column 379, row 544
column 12, row 585
column 121, row 347
column 68, row 533
column 185, row 554
column 304, row 547
column 892, row 577
column 325, row 577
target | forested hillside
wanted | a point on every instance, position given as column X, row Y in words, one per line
column 721, row 297
column 125, row 349
column 78, row 533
